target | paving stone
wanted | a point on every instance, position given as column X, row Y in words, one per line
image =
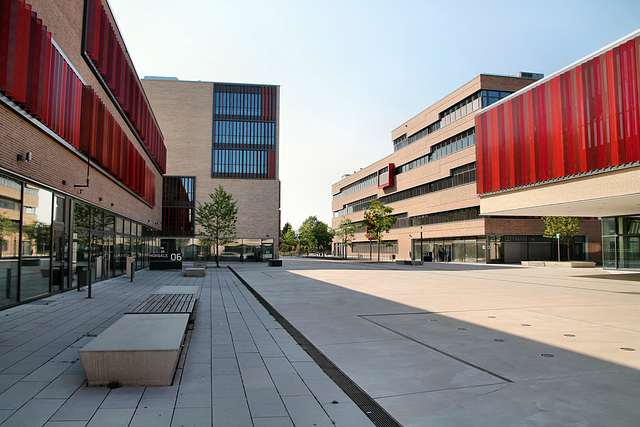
column 231, row 412
column 156, row 412
column 123, row 397
column 304, row 410
column 20, row 393
column 62, row 387
column 196, row 417
column 112, row 417
column 82, row 404
column 35, row 412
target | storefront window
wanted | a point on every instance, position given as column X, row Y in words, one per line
column 36, row 268
column 10, row 208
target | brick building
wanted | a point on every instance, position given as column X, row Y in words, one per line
column 220, row 134
column 430, row 182
column 81, row 155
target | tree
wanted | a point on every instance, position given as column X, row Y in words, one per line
column 346, row 234
column 567, row 227
column 286, row 228
column 218, row 220
column 7, row 227
column 378, row 221
column 289, row 240
column 315, row 235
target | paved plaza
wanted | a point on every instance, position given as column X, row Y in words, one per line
column 433, row 345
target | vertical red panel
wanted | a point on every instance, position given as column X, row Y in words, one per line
column 494, row 137
column 556, row 137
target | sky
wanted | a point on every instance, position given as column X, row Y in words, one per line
column 351, row 71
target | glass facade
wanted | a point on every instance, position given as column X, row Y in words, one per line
column 51, row 243
column 178, row 206
column 244, row 131
column 495, row 249
column 621, row 242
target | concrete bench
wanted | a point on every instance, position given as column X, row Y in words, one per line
column 194, row 272
column 137, row 350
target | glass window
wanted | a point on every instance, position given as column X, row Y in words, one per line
column 36, row 246
column 10, row 190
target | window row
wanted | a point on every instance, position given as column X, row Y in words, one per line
column 357, row 206
column 245, row 101
column 365, row 182
column 451, row 145
column 244, row 134
column 459, row 176
column 179, row 191
column 466, row 214
column 387, row 247
column 243, row 164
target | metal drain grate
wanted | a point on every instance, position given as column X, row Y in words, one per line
column 370, row 407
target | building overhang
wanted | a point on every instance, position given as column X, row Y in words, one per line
column 604, row 195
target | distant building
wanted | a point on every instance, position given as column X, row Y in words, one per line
column 569, row 145
column 430, row 182
column 220, row 134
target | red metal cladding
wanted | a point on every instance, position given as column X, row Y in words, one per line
column 586, row 119
column 105, row 51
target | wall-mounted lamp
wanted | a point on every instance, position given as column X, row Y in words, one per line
column 26, row 157
column 111, row 204
column 64, row 182
column 100, row 199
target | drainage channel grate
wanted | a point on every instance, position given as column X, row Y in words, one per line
column 370, row 407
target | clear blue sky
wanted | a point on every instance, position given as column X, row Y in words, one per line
column 351, row 71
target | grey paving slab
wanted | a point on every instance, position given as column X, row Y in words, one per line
column 265, row 402
column 153, row 412
column 35, row 412
column 196, row 417
column 304, row 410
column 233, row 412
column 123, row 397
column 62, row 387
column 112, row 417
column 20, row 393
column 82, row 404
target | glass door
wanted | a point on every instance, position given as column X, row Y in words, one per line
column 59, row 273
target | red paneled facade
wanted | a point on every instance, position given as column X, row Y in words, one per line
column 102, row 47
column 583, row 119
column 36, row 76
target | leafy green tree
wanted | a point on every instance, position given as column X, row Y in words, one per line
column 378, row 221
column 315, row 235
column 566, row 226
column 218, row 220
column 40, row 233
column 346, row 234
column 289, row 240
column 286, row 228
column 7, row 227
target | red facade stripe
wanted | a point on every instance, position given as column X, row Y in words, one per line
column 586, row 119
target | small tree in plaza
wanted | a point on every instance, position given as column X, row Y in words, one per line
column 315, row 235
column 378, row 221
column 567, row 227
column 218, row 220
column 346, row 234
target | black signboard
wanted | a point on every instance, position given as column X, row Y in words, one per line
column 165, row 261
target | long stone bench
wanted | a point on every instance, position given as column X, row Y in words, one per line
column 137, row 350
